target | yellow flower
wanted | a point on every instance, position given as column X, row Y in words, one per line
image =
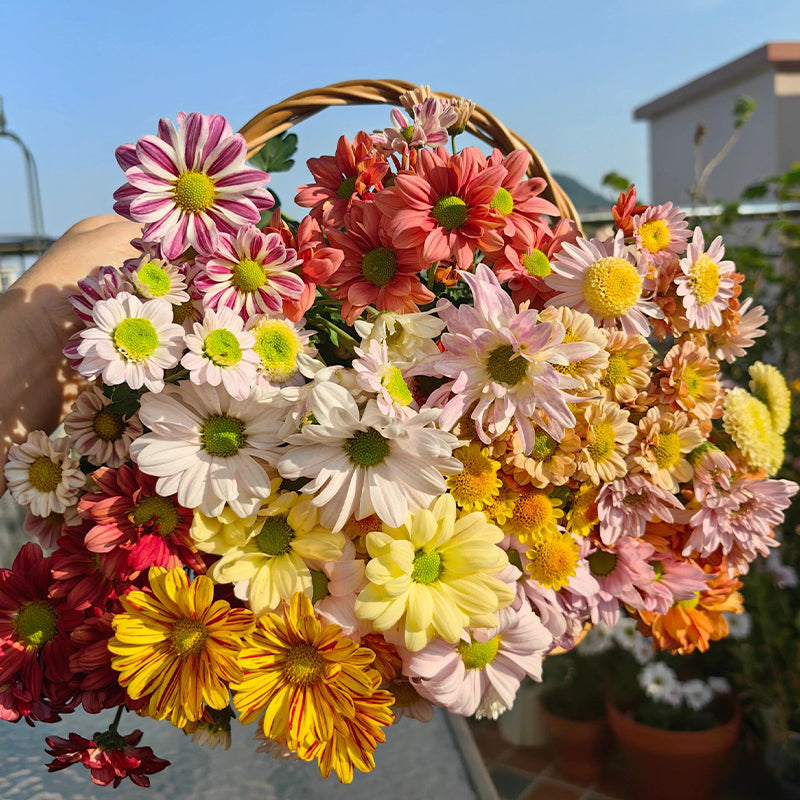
column 582, row 515
column 435, row 575
column 477, row 484
column 317, row 690
column 628, row 368
column 607, row 433
column 769, row 386
column 580, row 327
column 535, row 513
column 177, row 647
column 750, row 425
column 552, row 559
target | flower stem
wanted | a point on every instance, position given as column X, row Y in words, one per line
column 117, row 718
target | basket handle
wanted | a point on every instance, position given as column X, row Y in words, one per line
column 280, row 117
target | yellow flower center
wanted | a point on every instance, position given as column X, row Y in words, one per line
column 582, row 516
column 693, row 380
column 222, row 435
column 450, row 212
column 378, row 266
column 617, row 372
column 503, row 202
column 654, row 235
column 427, row 567
column 667, row 450
column 44, row 474
column 392, row 380
column 278, row 347
column 135, row 339
column 602, row 563
column 476, row 655
column 505, row 365
column 604, row 443
column 275, row 538
column 35, row 623
column 188, row 637
column 533, row 514
column 367, row 448
column 612, row 287
column 552, row 560
column 156, row 510
column 221, row 347
column 108, row 426
column 303, row 664
column 544, row 446
column 154, row 278
column 478, row 481
column 346, row 188
column 248, row 275
column 692, row 602
column 536, row 263
column 704, row 277
column 194, row 192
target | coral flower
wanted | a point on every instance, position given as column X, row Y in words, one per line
column 688, row 380
column 188, row 184
column 444, row 210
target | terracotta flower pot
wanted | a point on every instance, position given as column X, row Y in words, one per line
column 665, row 765
column 580, row 747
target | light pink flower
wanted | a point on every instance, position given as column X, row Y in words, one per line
column 661, row 233
column 429, row 127
column 377, row 373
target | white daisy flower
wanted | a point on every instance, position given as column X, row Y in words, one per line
column 660, row 682
column 48, row 530
column 739, row 625
column 718, row 684
column 599, row 639
column 364, row 462
column 221, row 352
column 208, row 448
column 131, row 342
column 600, row 278
column 42, row 476
column 696, row 694
column 103, row 436
column 156, row 279
column 376, row 372
column 409, row 337
column 285, row 356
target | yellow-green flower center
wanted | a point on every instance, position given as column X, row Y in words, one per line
column 692, row 602
column 537, row 263
column 394, row 383
column 605, row 441
column 505, row 365
column 654, row 235
column 427, row 567
column 543, row 446
column 476, row 655
column 222, row 435
column 367, row 448
column 108, row 426
column 188, row 637
column 450, row 212
column 194, row 192
column 278, row 347
column 408, row 133
column 154, row 278
column 303, row 664
column 44, row 474
column 552, row 560
column 602, row 563
column 135, row 339
column 222, row 348
column 617, row 372
column 667, row 450
column 612, row 287
column 503, row 202
column 378, row 266
column 704, row 278
column 275, row 537
column 319, row 585
column 157, row 510
column 346, row 188
column 248, row 275
column 36, row 623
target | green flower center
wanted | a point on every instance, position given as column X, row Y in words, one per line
column 543, row 446
column 135, row 339
column 159, row 511
column 278, row 347
column 108, row 426
column 346, row 188
column 275, row 537
column 503, row 202
column 395, row 385
column 222, row 435
column 188, row 637
column 248, row 275
column 427, row 567
column 378, row 266
column 367, row 448
column 503, row 367
column 658, row 568
column 319, row 585
column 44, row 474
column 222, row 348
column 692, row 602
column 450, row 212
column 537, row 263
column 36, row 623
column 194, row 192
column 154, row 278
column 602, row 563
column 478, row 654
column 303, row 664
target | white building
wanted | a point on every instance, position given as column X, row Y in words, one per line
column 769, row 143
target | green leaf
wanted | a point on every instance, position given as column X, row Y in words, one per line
column 276, row 154
column 616, row 181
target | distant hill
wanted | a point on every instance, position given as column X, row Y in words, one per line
column 583, row 198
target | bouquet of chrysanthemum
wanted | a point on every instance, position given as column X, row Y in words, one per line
column 326, row 475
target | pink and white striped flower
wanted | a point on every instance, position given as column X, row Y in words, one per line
column 189, row 183
column 432, row 118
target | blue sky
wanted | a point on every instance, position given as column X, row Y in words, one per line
column 79, row 78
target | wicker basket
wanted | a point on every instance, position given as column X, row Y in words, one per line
column 282, row 116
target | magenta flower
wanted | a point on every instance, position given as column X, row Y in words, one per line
column 188, row 184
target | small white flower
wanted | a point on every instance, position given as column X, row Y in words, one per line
column 156, row 279
column 285, row 357
column 739, row 625
column 625, row 633
column 642, row 649
column 377, row 373
column 659, row 682
column 719, row 685
column 409, row 337
column 599, row 639
column 696, row 694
